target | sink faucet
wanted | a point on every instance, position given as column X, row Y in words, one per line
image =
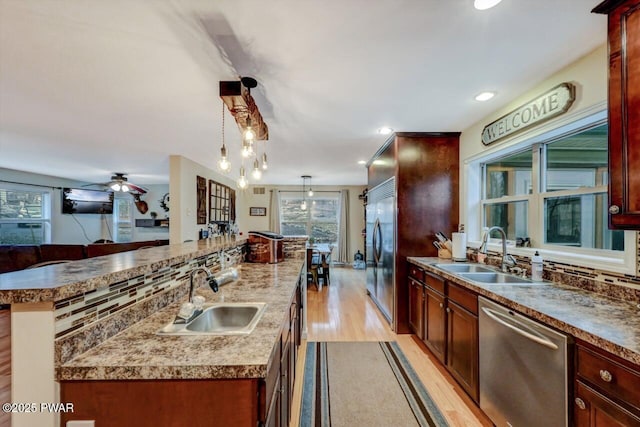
column 210, row 278
column 507, row 260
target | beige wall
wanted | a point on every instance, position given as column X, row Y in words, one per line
column 182, row 190
column 588, row 74
column 257, row 223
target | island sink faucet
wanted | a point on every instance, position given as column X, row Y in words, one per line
column 507, row 260
column 210, row 279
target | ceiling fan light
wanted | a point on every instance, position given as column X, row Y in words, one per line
column 124, row 188
column 115, row 186
column 485, row 4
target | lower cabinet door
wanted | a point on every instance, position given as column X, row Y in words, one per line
column 592, row 409
column 462, row 347
column 416, row 308
column 273, row 416
column 434, row 324
column 284, row 384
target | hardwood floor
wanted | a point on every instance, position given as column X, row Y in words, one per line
column 5, row 363
column 343, row 311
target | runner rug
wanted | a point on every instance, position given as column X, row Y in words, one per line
column 363, row 384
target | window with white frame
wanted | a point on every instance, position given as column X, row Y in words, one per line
column 25, row 216
column 319, row 220
column 553, row 194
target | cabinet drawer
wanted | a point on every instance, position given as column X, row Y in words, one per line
column 616, row 380
column 436, row 282
column 593, row 409
column 463, row 297
column 416, row 272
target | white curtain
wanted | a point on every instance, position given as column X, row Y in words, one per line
column 343, row 228
column 274, row 211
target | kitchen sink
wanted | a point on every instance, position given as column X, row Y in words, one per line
column 463, row 268
column 220, row 319
column 495, row 278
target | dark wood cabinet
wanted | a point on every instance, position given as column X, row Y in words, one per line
column 435, row 323
column 607, row 389
column 426, row 170
column 449, row 325
column 416, row 307
column 462, row 347
column 624, row 112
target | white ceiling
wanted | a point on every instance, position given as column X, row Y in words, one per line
column 92, row 87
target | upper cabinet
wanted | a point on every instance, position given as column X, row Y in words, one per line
column 624, row 112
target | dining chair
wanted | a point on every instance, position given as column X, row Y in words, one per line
column 313, row 258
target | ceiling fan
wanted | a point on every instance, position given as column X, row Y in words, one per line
column 119, row 182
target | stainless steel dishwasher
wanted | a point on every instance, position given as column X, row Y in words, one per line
column 523, row 369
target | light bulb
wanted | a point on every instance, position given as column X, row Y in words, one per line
column 242, row 181
column 264, row 161
column 115, row 186
column 249, row 134
column 124, row 188
column 223, row 163
column 257, row 173
column 310, row 193
column 246, row 149
column 303, row 206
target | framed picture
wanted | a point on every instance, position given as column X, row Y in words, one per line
column 201, row 203
column 253, row 211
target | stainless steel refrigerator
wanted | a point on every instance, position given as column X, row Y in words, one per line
column 381, row 247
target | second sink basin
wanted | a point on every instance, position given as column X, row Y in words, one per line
column 463, row 268
column 495, row 278
column 220, row 319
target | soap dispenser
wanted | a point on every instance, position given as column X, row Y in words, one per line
column 536, row 267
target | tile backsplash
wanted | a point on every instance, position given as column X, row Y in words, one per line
column 81, row 310
column 620, row 286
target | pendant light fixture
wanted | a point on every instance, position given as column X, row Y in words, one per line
column 242, row 181
column 236, row 95
column 303, row 206
column 223, row 163
column 256, row 173
column 310, row 193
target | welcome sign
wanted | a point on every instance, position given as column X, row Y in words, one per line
column 551, row 104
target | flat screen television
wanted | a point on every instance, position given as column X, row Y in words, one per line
column 81, row 201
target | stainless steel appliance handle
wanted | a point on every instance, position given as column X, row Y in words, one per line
column 497, row 317
column 377, row 230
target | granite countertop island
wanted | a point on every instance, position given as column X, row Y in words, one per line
column 605, row 322
column 56, row 282
column 138, row 353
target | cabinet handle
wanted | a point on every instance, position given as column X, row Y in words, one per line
column 441, row 305
column 580, row 403
column 614, row 209
column 606, row 375
column 448, row 310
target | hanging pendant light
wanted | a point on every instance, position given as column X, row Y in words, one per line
column 223, row 163
column 310, row 190
column 257, row 173
column 249, row 134
column 264, row 161
column 303, row 206
column 242, row 181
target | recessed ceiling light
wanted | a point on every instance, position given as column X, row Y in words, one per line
column 362, row 162
column 385, row 130
column 484, row 96
column 485, row 4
